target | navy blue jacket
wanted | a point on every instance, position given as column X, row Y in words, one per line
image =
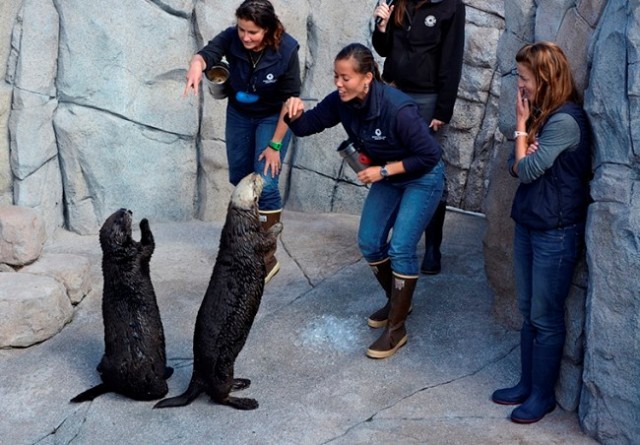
column 275, row 78
column 560, row 196
column 386, row 127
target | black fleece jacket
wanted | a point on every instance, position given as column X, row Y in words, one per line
column 424, row 55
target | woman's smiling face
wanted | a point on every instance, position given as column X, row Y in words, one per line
column 350, row 84
column 251, row 35
column 526, row 82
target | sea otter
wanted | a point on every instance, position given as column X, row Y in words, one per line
column 134, row 361
column 231, row 301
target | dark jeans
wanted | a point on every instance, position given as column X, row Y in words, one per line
column 406, row 207
column 426, row 107
column 246, row 139
column 544, row 262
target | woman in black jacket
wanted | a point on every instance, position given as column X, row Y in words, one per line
column 423, row 43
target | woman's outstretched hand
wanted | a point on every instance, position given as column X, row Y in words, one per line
column 194, row 74
column 293, row 108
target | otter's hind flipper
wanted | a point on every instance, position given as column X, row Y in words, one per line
column 193, row 391
column 91, row 393
column 239, row 402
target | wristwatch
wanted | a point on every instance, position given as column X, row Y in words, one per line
column 383, row 171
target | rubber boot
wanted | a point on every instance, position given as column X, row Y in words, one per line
column 267, row 219
column 382, row 271
column 433, row 240
column 519, row 393
column 394, row 335
column 544, row 375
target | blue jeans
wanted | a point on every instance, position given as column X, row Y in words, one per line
column 406, row 207
column 544, row 262
column 247, row 138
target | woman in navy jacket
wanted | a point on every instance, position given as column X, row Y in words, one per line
column 263, row 71
column 405, row 174
column 552, row 160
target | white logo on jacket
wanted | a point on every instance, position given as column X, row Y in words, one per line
column 269, row 79
column 430, row 21
column 378, row 135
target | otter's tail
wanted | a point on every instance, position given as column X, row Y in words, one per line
column 91, row 393
column 193, row 391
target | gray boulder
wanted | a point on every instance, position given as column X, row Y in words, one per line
column 33, row 308
column 72, row 271
column 22, row 235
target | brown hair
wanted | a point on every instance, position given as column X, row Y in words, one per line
column 262, row 13
column 400, row 9
column 554, row 81
column 363, row 60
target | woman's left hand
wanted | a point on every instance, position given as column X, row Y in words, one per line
column 435, row 124
column 272, row 163
column 370, row 175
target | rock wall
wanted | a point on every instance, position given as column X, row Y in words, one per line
column 600, row 368
column 97, row 120
column 610, row 403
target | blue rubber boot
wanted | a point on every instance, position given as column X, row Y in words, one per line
column 544, row 375
column 519, row 393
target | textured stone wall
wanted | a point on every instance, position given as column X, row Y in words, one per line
column 96, row 118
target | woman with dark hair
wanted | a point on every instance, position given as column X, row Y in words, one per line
column 423, row 44
column 552, row 159
column 264, row 70
column 405, row 174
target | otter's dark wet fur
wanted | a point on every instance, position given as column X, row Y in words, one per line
column 134, row 361
column 231, row 301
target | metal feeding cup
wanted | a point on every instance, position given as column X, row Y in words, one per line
column 350, row 153
column 218, row 76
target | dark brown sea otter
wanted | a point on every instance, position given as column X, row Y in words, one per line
column 231, row 301
column 134, row 361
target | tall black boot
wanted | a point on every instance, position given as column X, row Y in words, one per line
column 394, row 335
column 544, row 375
column 433, row 240
column 382, row 271
column 519, row 393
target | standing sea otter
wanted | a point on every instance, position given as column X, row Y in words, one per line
column 231, row 301
column 134, row 361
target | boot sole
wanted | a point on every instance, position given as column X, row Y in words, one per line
column 381, row 323
column 372, row 353
column 273, row 273
column 508, row 402
column 376, row 323
column 534, row 420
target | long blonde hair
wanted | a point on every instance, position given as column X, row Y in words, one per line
column 554, row 82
